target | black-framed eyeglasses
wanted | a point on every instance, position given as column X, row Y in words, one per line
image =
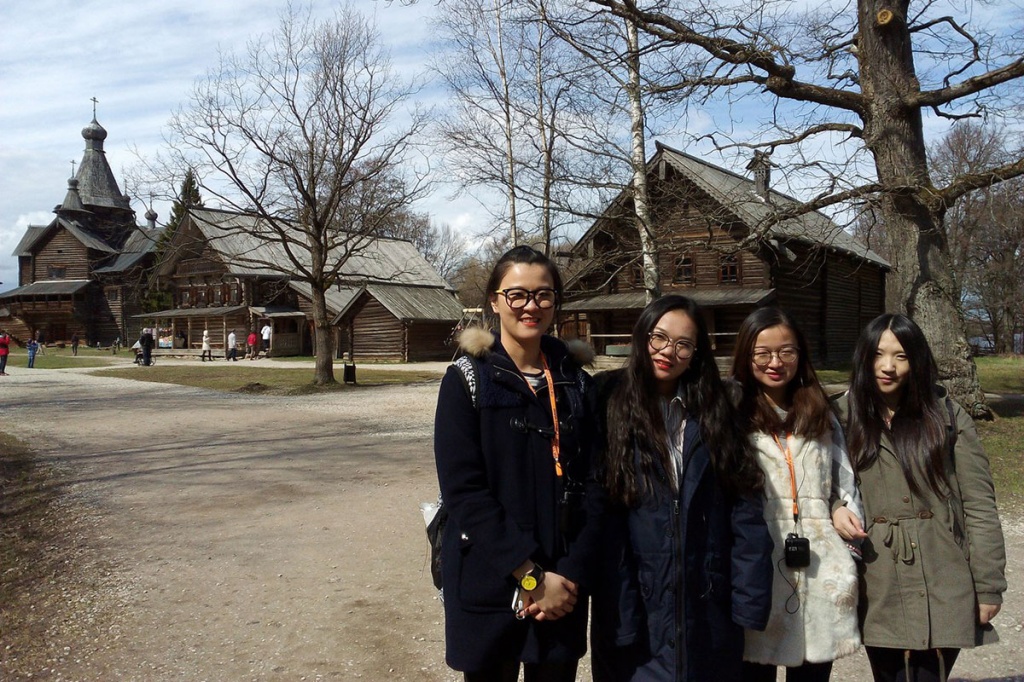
column 659, row 342
column 763, row 358
column 518, row 298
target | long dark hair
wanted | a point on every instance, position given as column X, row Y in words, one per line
column 918, row 428
column 635, row 423
column 810, row 414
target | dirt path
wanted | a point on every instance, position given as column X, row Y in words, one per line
column 232, row 537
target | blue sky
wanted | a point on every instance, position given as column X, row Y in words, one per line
column 139, row 59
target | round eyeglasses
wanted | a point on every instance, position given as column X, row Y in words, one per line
column 763, row 358
column 518, row 298
column 659, row 342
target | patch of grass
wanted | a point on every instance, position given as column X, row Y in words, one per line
column 833, row 376
column 61, row 358
column 1002, row 439
column 1001, row 374
column 245, row 378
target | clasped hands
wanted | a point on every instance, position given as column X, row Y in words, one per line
column 554, row 597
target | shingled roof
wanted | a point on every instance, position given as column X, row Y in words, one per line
column 738, row 195
column 385, row 261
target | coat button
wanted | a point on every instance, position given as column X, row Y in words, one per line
column 921, row 593
column 906, row 499
column 913, row 545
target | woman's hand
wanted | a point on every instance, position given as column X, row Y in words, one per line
column 553, row 598
column 847, row 524
column 986, row 612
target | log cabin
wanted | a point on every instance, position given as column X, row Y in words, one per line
column 388, row 304
column 720, row 245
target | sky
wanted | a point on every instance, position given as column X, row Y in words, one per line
column 139, row 60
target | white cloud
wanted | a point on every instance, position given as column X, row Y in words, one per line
column 139, row 60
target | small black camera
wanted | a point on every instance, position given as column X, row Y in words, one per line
column 798, row 551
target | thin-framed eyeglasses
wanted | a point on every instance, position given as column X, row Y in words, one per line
column 787, row 356
column 659, row 342
column 518, row 298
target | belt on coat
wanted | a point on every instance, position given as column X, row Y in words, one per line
column 897, row 536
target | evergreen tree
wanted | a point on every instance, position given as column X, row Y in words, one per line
column 188, row 198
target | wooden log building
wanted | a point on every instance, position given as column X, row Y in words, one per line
column 718, row 246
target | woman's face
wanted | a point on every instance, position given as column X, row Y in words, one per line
column 680, row 331
column 892, row 368
column 531, row 321
column 774, row 360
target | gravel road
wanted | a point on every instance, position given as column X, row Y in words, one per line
column 253, row 537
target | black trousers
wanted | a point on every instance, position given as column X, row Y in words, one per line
column 808, row 672
column 508, row 671
column 923, row 665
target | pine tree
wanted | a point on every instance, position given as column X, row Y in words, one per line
column 188, row 198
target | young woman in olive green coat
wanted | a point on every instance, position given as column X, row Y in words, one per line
column 934, row 560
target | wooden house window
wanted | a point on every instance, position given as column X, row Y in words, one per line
column 685, row 272
column 201, row 297
column 111, row 294
column 636, row 274
column 729, row 273
column 235, row 294
column 56, row 271
column 218, row 295
column 186, row 299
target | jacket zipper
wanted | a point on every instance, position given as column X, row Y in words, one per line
column 679, row 588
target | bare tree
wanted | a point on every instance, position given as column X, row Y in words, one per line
column 441, row 245
column 985, row 231
column 865, row 80
column 302, row 132
column 480, row 131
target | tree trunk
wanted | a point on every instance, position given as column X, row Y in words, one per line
column 922, row 279
column 323, row 346
column 638, row 157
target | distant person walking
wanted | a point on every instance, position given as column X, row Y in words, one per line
column 146, row 344
column 42, row 345
column 206, row 346
column 5, row 348
column 232, row 351
column 32, row 346
column 251, row 343
column 265, row 333
column 74, row 343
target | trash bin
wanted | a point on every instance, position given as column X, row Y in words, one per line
column 349, row 373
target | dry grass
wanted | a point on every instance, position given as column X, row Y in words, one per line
column 264, row 378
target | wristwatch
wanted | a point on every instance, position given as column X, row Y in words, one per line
column 531, row 579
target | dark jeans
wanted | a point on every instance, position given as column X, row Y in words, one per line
column 534, row 672
column 808, row 672
column 3, row 364
column 891, row 665
column 147, row 356
column 232, row 353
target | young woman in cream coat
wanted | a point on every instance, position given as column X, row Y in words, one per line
column 801, row 450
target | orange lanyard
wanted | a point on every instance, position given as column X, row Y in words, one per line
column 792, row 472
column 556, row 442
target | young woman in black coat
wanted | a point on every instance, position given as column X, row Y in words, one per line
column 688, row 551
column 515, row 475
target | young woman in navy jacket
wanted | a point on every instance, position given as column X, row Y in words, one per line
column 513, row 462
column 688, row 554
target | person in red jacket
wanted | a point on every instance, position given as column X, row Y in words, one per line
column 5, row 348
column 251, row 342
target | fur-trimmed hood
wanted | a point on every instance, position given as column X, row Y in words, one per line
column 479, row 342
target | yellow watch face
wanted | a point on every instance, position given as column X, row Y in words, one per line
column 528, row 582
